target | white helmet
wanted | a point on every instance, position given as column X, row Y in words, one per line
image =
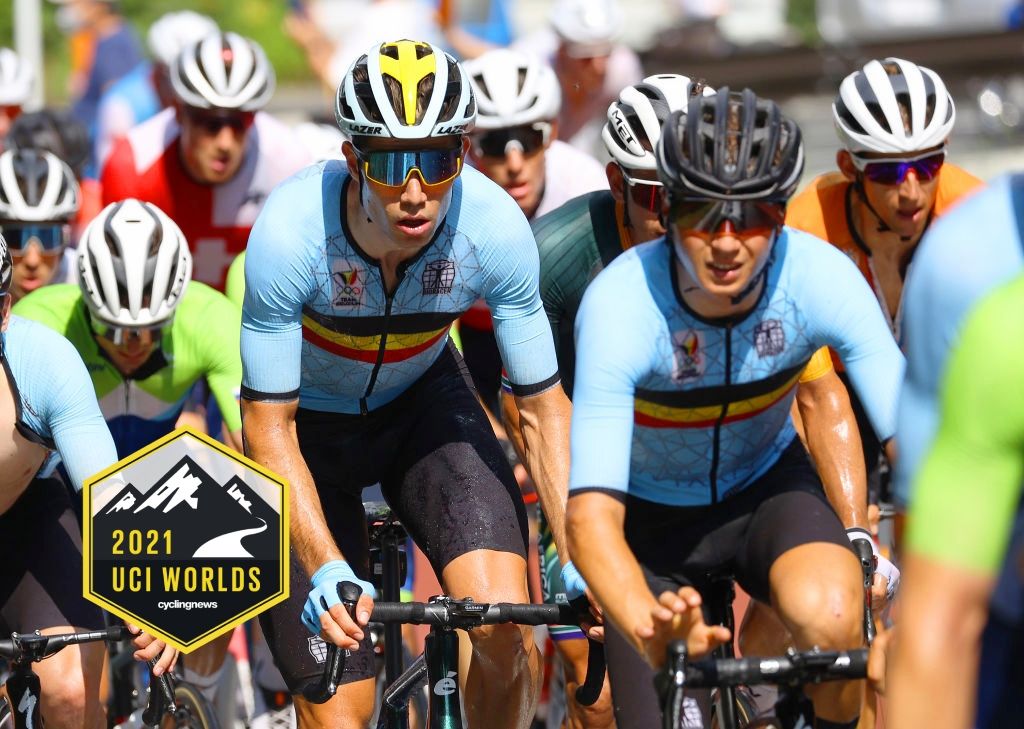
column 223, row 71
column 513, row 88
column 16, row 77
column 36, row 186
column 634, row 123
column 587, row 22
column 867, row 111
column 129, row 252
column 364, row 105
column 173, row 31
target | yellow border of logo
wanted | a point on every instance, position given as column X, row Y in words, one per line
column 120, row 612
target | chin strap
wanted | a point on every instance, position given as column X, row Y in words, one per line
column 883, row 227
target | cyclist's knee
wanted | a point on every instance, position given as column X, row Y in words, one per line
column 827, row 614
column 506, row 639
column 66, row 701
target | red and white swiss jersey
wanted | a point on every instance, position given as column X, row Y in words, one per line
column 216, row 219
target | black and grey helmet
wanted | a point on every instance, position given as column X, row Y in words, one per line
column 730, row 146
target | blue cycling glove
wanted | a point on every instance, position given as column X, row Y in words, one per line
column 324, row 594
column 572, row 580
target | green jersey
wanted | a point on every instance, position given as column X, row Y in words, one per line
column 967, row 495
column 575, row 241
column 234, row 287
column 201, row 341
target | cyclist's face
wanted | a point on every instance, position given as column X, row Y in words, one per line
column 406, row 214
column 133, row 352
column 723, row 261
column 579, row 71
column 643, row 202
column 903, row 206
column 213, row 142
column 33, row 268
column 520, row 171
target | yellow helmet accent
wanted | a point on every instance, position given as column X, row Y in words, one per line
column 408, row 70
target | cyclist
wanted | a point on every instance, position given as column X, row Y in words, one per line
column 39, row 199
column 580, row 238
column 146, row 89
column 893, row 119
column 16, row 79
column 353, row 275
column 514, row 144
column 684, row 458
column 964, row 556
column 52, row 417
column 942, row 371
column 211, row 161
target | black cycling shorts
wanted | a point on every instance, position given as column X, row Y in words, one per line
column 741, row 536
column 41, row 568
column 443, row 474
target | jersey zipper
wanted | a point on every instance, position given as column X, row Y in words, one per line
column 382, row 349
column 716, row 442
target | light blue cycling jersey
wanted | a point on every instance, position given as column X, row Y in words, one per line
column 56, row 405
column 676, row 409
column 964, row 255
column 317, row 323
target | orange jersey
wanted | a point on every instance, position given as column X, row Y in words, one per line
column 821, row 209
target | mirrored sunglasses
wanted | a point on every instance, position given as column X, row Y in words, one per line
column 392, row 168
column 894, row 171
column 527, row 138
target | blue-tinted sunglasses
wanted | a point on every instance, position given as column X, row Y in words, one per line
column 392, row 168
column 894, row 171
column 51, row 238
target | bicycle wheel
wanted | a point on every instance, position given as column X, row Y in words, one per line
column 746, row 710
column 6, row 717
column 191, row 710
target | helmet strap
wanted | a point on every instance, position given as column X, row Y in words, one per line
column 883, row 227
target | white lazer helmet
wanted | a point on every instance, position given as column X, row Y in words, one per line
column 173, row 31
column 133, row 265
column 223, row 71
column 512, row 89
column 36, row 186
column 867, row 110
column 16, row 77
column 377, row 97
column 634, row 123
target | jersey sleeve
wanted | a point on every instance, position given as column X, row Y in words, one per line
column 511, row 289
column 968, row 489
column 844, row 313
column 57, row 387
column 220, row 333
column 819, row 365
column 613, row 341
column 278, row 281
column 118, row 177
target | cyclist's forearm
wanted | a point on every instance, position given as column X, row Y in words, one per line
column 547, row 456
column 272, row 442
column 594, row 522
column 945, row 610
column 835, row 446
column 513, row 429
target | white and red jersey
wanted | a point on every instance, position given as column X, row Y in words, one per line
column 215, row 219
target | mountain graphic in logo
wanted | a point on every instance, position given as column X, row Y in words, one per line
column 206, row 520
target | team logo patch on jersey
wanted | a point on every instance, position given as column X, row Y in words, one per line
column 689, row 364
column 769, row 338
column 347, row 283
column 438, row 277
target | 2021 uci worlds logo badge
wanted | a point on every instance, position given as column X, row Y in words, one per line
column 186, row 538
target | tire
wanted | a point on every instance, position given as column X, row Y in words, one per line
column 6, row 717
column 192, row 710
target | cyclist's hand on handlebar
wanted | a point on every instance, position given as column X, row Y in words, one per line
column 323, row 613
column 148, row 647
column 887, row 575
column 678, row 616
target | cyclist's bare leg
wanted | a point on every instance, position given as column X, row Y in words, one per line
column 503, row 684
column 210, row 657
column 70, row 682
column 574, row 659
column 817, row 592
column 762, row 633
column 351, row 708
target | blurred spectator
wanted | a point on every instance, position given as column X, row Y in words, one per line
column 16, row 78
column 55, row 131
column 146, row 89
column 371, row 21
column 580, row 44
column 38, row 199
column 115, row 50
